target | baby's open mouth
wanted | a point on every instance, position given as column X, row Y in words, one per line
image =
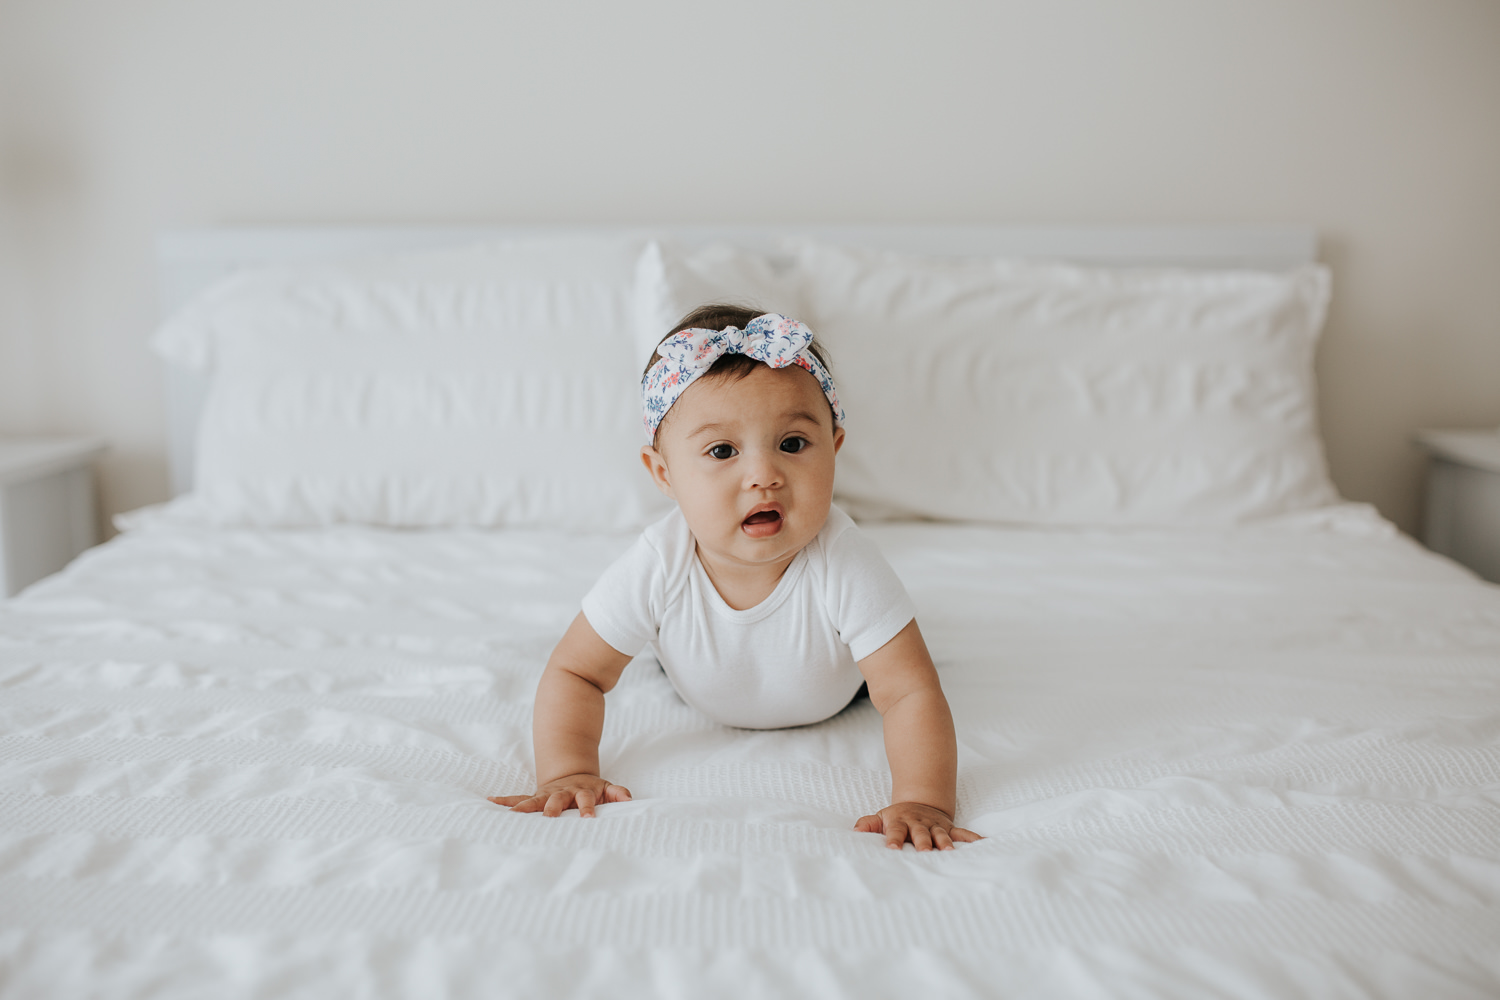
column 762, row 523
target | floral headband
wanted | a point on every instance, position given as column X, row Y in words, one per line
column 687, row 354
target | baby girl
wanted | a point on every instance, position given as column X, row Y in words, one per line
column 764, row 604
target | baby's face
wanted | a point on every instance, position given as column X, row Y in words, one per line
column 750, row 463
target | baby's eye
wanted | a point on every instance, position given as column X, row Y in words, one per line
column 721, row 451
column 792, row 445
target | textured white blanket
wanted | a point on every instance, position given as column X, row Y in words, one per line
column 1253, row 763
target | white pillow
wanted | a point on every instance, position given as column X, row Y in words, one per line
column 489, row 386
column 1004, row 390
column 674, row 280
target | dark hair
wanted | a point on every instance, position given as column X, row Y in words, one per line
column 717, row 316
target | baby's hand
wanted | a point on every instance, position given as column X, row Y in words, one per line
column 924, row 826
column 583, row 790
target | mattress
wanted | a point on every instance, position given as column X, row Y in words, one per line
column 1250, row 762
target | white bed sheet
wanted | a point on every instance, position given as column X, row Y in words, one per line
column 1261, row 762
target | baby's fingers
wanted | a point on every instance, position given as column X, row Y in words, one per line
column 509, row 800
column 557, row 802
column 869, row 824
column 612, row 793
column 521, row 803
column 964, row 836
column 921, row 839
column 895, row 834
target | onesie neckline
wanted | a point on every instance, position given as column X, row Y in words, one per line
column 775, row 599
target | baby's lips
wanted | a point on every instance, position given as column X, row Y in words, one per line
column 756, row 512
column 763, row 521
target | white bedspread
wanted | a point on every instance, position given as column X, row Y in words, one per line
column 1253, row 763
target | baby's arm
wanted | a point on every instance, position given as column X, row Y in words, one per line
column 919, row 743
column 566, row 723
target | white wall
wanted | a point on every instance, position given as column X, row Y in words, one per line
column 1379, row 123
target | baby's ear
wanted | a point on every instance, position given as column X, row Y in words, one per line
column 657, row 466
column 838, row 439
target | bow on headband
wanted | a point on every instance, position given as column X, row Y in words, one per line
column 687, row 354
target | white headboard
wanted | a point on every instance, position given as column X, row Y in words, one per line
column 191, row 260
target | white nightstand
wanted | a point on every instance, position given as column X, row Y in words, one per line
column 1463, row 498
column 47, row 513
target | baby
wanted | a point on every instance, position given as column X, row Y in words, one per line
column 764, row 604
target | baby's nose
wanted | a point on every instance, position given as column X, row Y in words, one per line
column 763, row 472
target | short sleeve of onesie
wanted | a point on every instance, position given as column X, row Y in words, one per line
column 865, row 598
column 620, row 605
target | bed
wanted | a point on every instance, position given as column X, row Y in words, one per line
column 1248, row 755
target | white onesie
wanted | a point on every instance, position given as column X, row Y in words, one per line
column 788, row 661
